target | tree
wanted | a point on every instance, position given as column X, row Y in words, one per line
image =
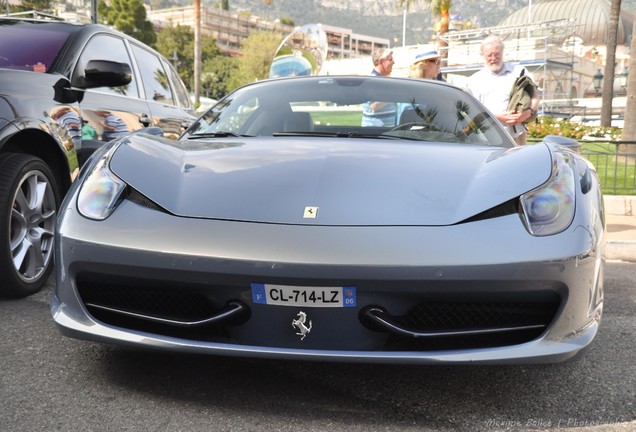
column 440, row 9
column 179, row 40
column 610, row 64
column 225, row 5
column 36, row 5
column 258, row 51
column 128, row 16
column 629, row 129
column 287, row 21
column 216, row 76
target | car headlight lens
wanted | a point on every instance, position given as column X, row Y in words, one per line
column 100, row 192
column 549, row 209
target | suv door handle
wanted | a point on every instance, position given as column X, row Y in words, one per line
column 144, row 120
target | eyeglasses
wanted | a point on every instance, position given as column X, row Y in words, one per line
column 436, row 61
column 492, row 55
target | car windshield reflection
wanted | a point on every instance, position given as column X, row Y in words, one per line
column 413, row 110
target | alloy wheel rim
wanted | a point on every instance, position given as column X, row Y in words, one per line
column 32, row 226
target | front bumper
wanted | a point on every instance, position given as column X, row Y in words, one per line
column 395, row 268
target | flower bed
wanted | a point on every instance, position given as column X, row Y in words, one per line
column 553, row 126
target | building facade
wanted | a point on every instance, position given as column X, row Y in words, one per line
column 229, row 29
column 562, row 43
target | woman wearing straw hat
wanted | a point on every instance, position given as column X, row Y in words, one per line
column 425, row 65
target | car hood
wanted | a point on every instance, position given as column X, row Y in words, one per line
column 324, row 181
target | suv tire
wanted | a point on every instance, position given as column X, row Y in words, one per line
column 29, row 202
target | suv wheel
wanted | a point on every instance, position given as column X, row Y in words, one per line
column 29, row 201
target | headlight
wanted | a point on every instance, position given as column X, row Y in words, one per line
column 549, row 209
column 101, row 191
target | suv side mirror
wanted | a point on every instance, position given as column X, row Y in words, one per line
column 105, row 73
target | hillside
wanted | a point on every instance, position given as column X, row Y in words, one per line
column 380, row 18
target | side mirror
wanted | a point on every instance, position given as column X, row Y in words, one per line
column 104, row 73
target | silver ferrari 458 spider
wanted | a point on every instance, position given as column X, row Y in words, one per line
column 361, row 219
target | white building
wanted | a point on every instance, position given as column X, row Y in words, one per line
column 229, row 29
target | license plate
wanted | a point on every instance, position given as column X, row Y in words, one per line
column 288, row 295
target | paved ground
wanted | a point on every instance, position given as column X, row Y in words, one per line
column 621, row 227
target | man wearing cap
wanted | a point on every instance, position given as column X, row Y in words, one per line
column 426, row 65
column 380, row 113
column 492, row 85
column 382, row 62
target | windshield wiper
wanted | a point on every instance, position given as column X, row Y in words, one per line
column 218, row 134
column 379, row 136
column 334, row 135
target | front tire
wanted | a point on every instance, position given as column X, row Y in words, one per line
column 29, row 202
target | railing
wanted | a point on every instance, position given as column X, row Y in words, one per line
column 615, row 162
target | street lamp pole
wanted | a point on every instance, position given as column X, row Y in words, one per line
column 404, row 24
column 93, row 11
column 175, row 60
column 529, row 16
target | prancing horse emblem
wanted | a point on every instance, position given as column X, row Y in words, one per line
column 299, row 323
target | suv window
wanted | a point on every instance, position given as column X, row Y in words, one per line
column 179, row 89
column 106, row 47
column 30, row 47
column 154, row 77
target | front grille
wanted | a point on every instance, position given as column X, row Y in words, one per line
column 458, row 315
column 104, row 295
column 440, row 316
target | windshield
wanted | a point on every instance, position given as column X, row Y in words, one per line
column 31, row 46
column 376, row 107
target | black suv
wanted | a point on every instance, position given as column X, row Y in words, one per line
column 66, row 88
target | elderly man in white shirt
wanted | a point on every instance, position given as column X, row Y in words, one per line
column 492, row 85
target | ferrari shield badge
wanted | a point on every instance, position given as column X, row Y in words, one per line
column 300, row 325
column 310, row 212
